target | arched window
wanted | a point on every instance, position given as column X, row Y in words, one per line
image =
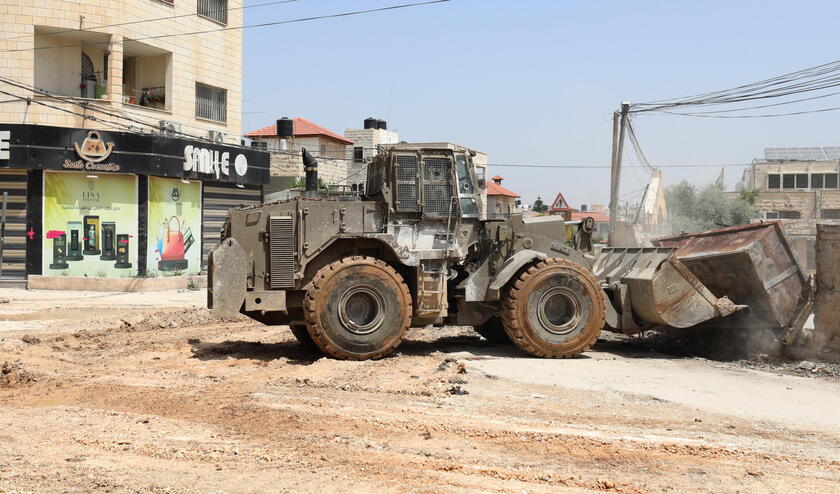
column 87, row 67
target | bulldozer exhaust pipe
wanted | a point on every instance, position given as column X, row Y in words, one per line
column 310, row 166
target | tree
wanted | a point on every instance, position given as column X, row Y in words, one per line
column 694, row 209
column 300, row 183
column 539, row 206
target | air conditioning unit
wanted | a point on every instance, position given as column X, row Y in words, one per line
column 217, row 136
column 169, row 128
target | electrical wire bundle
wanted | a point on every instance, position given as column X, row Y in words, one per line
column 812, row 80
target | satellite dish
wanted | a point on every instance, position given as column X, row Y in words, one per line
column 740, row 186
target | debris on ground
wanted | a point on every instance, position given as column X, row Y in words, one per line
column 12, row 374
column 127, row 407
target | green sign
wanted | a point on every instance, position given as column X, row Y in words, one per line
column 174, row 227
column 90, row 225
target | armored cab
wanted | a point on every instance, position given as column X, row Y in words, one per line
column 351, row 274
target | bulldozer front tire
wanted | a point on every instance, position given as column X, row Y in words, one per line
column 357, row 308
column 494, row 331
column 555, row 309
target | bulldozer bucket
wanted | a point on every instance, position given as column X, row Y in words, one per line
column 659, row 288
column 753, row 265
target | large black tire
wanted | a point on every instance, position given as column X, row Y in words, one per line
column 302, row 335
column 555, row 309
column 357, row 308
column 494, row 331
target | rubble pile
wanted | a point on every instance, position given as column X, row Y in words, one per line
column 12, row 374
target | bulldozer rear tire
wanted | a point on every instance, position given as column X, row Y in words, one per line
column 302, row 335
column 357, row 308
column 494, row 331
column 555, row 309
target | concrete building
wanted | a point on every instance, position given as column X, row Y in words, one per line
column 501, row 202
column 366, row 142
column 117, row 133
column 287, row 164
column 801, row 187
column 116, row 57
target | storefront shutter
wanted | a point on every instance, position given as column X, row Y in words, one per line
column 13, row 182
column 217, row 199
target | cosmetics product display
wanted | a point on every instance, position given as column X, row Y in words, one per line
column 122, row 252
column 74, row 237
column 109, row 249
column 91, row 238
column 59, row 252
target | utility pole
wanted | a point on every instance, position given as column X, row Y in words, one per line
column 619, row 126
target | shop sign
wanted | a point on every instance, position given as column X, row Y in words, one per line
column 93, row 151
column 5, row 139
column 89, row 166
column 213, row 162
column 93, row 148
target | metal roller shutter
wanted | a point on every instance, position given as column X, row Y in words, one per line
column 217, row 199
column 13, row 182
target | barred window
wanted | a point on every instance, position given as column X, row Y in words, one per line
column 210, row 103
column 213, row 9
column 358, row 155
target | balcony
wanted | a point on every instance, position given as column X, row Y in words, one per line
column 147, row 75
column 72, row 64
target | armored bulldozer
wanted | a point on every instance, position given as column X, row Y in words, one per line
column 350, row 274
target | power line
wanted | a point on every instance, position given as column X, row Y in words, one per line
column 86, row 117
column 86, row 106
column 593, row 166
column 769, row 115
column 141, row 21
column 250, row 26
column 817, row 78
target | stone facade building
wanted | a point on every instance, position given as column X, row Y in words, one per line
column 365, row 146
column 801, row 193
column 117, row 57
column 119, row 135
column 501, row 202
column 329, row 148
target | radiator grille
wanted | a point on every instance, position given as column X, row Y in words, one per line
column 282, row 250
column 437, row 193
column 407, row 188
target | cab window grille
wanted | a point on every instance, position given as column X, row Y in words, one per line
column 437, row 190
column 407, row 184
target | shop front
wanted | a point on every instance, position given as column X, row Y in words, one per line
column 116, row 205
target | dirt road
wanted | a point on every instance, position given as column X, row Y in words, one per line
column 134, row 393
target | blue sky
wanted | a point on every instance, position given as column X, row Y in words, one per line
column 535, row 82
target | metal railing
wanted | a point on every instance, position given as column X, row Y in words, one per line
column 213, row 9
column 210, row 103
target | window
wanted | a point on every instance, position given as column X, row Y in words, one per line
column 830, row 214
column 823, row 180
column 774, row 181
column 788, row 181
column 358, row 155
column 782, row 215
column 210, row 103
column 801, row 180
column 213, row 9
